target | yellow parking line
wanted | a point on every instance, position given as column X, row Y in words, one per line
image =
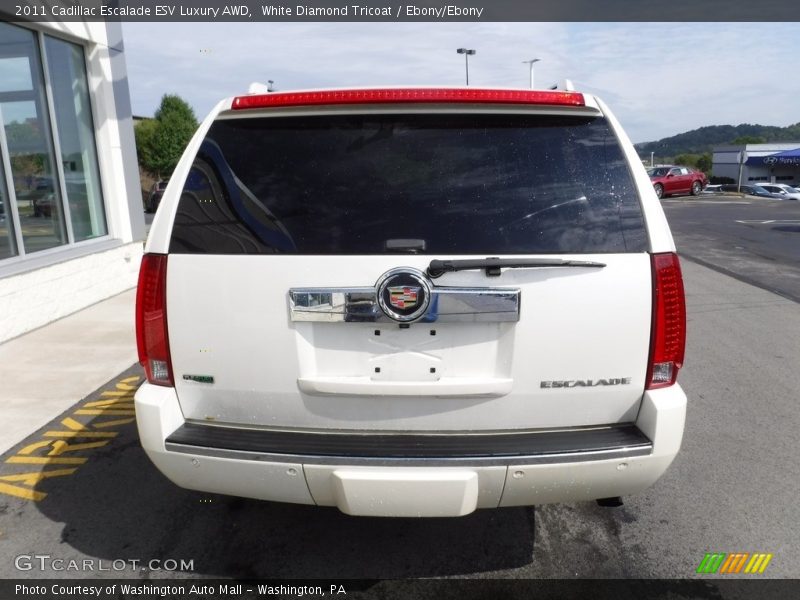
column 116, row 402
column 114, row 406
column 110, row 403
column 60, row 446
column 32, row 479
column 113, row 423
column 31, row 448
column 45, row 460
column 104, row 412
column 73, row 424
column 125, row 383
column 24, row 493
column 80, row 434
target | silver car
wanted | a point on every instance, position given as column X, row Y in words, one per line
column 780, row 190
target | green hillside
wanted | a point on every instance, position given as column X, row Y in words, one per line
column 699, row 141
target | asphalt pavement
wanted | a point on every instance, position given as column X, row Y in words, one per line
column 81, row 488
column 750, row 238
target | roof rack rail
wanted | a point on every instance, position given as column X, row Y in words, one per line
column 565, row 85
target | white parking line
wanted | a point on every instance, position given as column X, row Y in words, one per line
column 769, row 221
column 705, row 202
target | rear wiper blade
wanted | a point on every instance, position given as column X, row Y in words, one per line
column 493, row 265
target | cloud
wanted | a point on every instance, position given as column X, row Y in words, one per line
column 659, row 78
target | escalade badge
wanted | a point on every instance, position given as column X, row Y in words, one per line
column 403, row 294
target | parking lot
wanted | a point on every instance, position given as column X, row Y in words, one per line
column 733, row 488
column 754, row 239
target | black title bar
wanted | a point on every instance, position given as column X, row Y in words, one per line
column 401, row 10
column 461, row 589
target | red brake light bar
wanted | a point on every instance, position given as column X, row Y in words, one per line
column 402, row 96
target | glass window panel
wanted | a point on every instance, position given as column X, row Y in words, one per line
column 8, row 246
column 26, row 123
column 67, row 72
column 15, row 75
column 466, row 184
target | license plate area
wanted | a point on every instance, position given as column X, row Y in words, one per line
column 407, row 354
column 416, row 352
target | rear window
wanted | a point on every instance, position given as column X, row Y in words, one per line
column 462, row 184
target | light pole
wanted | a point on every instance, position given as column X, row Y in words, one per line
column 467, row 52
column 530, row 74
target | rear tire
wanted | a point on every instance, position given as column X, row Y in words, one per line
column 696, row 188
column 659, row 190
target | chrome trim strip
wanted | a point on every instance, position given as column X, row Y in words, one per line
column 540, row 459
column 447, row 305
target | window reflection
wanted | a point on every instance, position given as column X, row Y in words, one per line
column 76, row 138
column 8, row 246
column 29, row 142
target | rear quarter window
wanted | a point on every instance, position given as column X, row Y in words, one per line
column 462, row 183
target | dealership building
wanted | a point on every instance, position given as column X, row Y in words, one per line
column 773, row 162
column 71, row 222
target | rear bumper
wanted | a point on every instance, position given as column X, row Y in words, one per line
column 413, row 475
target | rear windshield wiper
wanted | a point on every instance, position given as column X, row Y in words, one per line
column 493, row 265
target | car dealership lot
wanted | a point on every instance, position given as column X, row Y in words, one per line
column 733, row 487
column 755, row 239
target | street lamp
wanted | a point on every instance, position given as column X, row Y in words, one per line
column 530, row 74
column 467, row 52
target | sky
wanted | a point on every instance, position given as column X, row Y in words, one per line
column 659, row 79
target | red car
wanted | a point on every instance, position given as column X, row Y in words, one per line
column 677, row 180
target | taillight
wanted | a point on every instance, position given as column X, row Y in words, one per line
column 668, row 338
column 409, row 95
column 151, row 320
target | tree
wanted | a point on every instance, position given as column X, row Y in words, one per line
column 27, row 149
column 144, row 132
column 688, row 160
column 160, row 142
column 704, row 162
column 749, row 139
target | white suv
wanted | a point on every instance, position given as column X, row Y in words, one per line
column 411, row 302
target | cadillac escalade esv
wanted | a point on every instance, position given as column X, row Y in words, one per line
column 411, row 302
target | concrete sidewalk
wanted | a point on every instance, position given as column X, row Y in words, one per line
column 46, row 371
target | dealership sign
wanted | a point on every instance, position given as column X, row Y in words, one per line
column 789, row 158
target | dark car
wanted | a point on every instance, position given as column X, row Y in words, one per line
column 156, row 192
column 43, row 207
column 42, row 198
column 750, row 190
column 670, row 180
